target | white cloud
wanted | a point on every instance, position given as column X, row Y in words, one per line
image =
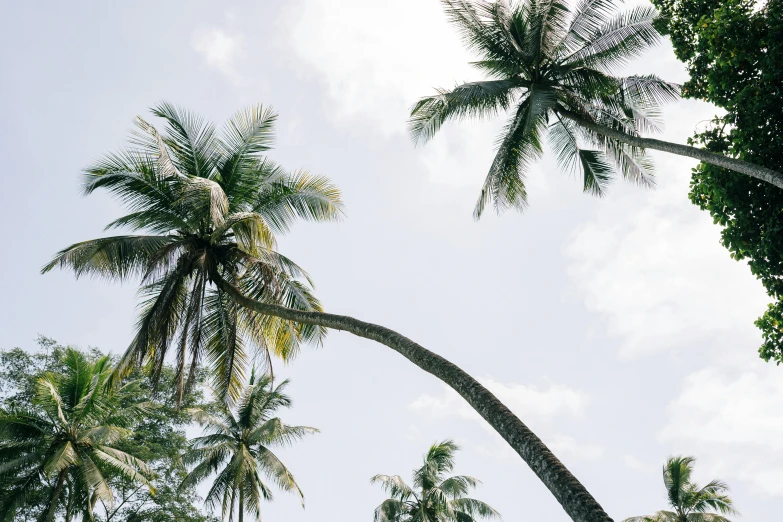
column 532, row 404
column 732, row 422
column 525, row 401
column 566, row 445
column 635, row 464
column 375, row 70
column 376, row 58
column 219, row 50
column 658, row 276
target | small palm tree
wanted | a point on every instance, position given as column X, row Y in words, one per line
column 238, row 449
column 67, row 442
column 552, row 67
column 436, row 498
column 688, row 501
column 210, row 206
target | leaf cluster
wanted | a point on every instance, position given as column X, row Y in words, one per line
column 136, row 420
column 688, row 501
column 550, row 65
column 434, row 497
column 208, row 204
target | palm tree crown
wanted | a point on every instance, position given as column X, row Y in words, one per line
column 67, row 442
column 688, row 501
column 550, row 66
column 209, row 206
column 237, row 448
column 436, row 498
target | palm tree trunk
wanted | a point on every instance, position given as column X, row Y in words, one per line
column 69, row 505
column 58, row 489
column 241, row 504
column 571, row 494
column 743, row 167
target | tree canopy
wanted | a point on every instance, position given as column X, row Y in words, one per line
column 157, row 439
column 208, row 205
column 734, row 53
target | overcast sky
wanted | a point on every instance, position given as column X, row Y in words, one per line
column 619, row 329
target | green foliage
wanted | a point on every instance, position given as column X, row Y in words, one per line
column 237, row 448
column 60, row 448
column 435, row 498
column 157, row 438
column 209, row 205
column 690, row 502
column 734, row 54
column 550, row 64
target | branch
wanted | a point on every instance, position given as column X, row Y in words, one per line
column 743, row 167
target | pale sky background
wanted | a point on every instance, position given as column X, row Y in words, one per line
column 619, row 329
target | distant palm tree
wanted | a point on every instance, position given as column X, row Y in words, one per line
column 238, row 449
column 210, row 207
column 67, row 442
column 214, row 284
column 688, row 501
column 554, row 67
column 437, row 498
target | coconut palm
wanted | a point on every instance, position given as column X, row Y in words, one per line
column 214, row 285
column 688, row 501
column 66, row 443
column 238, row 448
column 437, row 498
column 209, row 205
column 553, row 68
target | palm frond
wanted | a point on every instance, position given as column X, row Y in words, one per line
column 114, row 258
column 474, row 99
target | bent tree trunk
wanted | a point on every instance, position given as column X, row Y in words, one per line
column 743, row 167
column 572, row 495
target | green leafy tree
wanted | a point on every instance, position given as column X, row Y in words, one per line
column 157, row 438
column 436, row 498
column 237, row 449
column 552, row 66
column 209, row 207
column 65, row 447
column 734, row 53
column 688, row 501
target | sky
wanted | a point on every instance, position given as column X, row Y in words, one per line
column 618, row 329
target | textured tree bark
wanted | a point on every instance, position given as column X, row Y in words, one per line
column 572, row 495
column 743, row 167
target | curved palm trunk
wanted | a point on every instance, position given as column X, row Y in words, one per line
column 571, row 494
column 743, row 167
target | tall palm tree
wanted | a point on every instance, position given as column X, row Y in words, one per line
column 553, row 68
column 688, row 501
column 210, row 206
column 238, row 449
column 213, row 283
column 437, row 498
column 67, row 442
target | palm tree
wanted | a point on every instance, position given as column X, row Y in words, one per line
column 688, row 501
column 213, row 283
column 237, row 448
column 210, row 207
column 67, row 442
column 552, row 67
column 436, row 498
